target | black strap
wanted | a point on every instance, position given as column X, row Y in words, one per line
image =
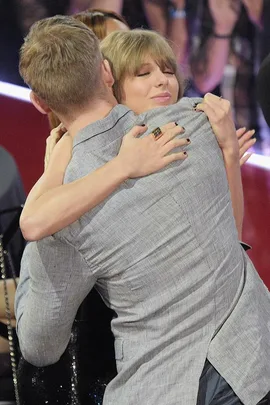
column 13, row 226
column 3, row 330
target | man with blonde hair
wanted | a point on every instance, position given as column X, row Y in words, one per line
column 192, row 315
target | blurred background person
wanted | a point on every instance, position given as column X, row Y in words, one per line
column 226, row 50
column 169, row 19
column 220, row 44
column 110, row 5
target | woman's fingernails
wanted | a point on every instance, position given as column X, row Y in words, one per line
column 254, row 140
column 188, row 140
column 183, row 129
column 185, row 153
column 143, row 125
column 176, row 124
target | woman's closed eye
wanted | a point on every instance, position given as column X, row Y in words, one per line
column 143, row 74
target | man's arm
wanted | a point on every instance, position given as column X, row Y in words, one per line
column 54, row 280
column 220, row 117
column 209, row 59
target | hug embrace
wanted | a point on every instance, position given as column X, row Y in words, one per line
column 152, row 222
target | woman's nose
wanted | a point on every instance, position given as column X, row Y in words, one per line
column 161, row 79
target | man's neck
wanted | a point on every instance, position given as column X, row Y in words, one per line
column 94, row 113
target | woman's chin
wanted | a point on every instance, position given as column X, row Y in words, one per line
column 161, row 103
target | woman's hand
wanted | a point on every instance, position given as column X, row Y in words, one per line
column 55, row 135
column 143, row 156
column 245, row 141
column 220, row 116
column 219, row 113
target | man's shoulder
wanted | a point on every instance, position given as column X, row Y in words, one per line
column 118, row 117
column 181, row 112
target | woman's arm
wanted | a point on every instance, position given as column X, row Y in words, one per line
column 51, row 206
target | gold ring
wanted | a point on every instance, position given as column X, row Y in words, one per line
column 157, row 133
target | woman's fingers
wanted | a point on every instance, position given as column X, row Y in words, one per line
column 246, row 147
column 213, row 115
column 172, row 157
column 245, row 141
column 245, row 158
column 240, row 132
column 137, row 131
column 169, row 133
column 246, row 137
column 55, row 135
column 173, row 144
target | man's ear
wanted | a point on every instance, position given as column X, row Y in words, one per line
column 107, row 73
column 40, row 105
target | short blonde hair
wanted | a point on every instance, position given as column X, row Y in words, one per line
column 60, row 60
column 126, row 51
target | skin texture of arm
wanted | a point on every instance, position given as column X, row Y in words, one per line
column 207, row 65
column 50, row 204
column 174, row 29
column 209, row 59
column 234, row 178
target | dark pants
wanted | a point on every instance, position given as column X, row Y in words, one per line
column 214, row 390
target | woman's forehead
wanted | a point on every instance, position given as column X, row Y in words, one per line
column 152, row 59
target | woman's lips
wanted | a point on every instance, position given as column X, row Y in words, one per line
column 162, row 98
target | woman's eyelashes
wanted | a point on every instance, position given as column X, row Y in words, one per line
column 166, row 72
column 143, row 74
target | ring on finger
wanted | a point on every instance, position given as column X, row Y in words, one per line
column 157, row 133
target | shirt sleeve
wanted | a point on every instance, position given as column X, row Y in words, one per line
column 54, row 280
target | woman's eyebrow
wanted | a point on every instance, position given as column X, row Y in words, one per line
column 145, row 64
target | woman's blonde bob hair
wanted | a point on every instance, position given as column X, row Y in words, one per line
column 127, row 50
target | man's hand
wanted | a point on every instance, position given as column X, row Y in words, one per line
column 143, row 156
column 225, row 14
column 219, row 114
